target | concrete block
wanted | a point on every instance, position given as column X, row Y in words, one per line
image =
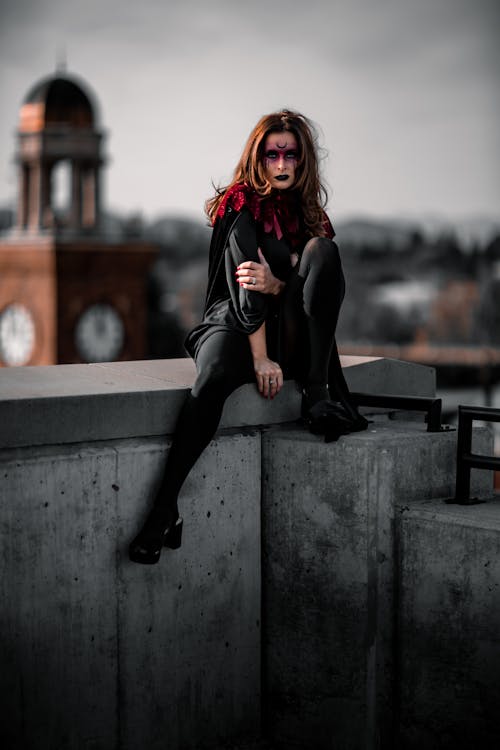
column 390, row 376
column 99, row 652
column 449, row 626
column 83, row 403
column 80, row 403
column 365, row 374
column 328, row 575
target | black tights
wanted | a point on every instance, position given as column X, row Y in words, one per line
column 312, row 301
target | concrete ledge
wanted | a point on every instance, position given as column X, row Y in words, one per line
column 78, row 403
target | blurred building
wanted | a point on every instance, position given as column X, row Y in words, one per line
column 69, row 292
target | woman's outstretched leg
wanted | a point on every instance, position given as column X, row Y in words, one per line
column 224, row 363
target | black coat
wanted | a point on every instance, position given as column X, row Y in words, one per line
column 235, row 239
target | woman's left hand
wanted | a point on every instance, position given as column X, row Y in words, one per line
column 258, row 276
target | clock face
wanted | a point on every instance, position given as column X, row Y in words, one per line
column 17, row 335
column 99, row 334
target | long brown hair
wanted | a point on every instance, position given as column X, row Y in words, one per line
column 250, row 168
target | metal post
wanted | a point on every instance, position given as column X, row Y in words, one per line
column 464, row 446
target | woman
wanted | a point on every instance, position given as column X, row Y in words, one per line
column 275, row 288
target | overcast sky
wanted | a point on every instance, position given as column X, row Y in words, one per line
column 406, row 94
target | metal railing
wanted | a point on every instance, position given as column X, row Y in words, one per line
column 431, row 406
column 466, row 460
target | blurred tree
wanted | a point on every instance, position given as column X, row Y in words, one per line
column 488, row 314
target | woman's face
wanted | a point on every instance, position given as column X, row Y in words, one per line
column 280, row 159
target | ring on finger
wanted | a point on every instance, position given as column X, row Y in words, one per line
column 254, row 280
column 271, row 382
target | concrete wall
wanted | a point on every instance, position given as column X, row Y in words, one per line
column 302, row 588
column 331, row 579
column 101, row 653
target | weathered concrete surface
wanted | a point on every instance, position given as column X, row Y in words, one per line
column 58, row 593
column 391, row 376
column 449, row 626
column 82, row 403
column 101, row 653
column 328, row 575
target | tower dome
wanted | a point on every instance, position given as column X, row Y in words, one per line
column 57, row 101
column 58, row 134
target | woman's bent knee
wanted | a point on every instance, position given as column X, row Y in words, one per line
column 321, row 250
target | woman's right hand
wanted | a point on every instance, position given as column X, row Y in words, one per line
column 258, row 277
column 268, row 375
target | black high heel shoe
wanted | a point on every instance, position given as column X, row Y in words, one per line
column 329, row 418
column 158, row 531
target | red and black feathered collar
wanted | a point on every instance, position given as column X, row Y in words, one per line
column 278, row 212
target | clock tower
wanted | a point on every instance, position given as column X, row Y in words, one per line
column 69, row 292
